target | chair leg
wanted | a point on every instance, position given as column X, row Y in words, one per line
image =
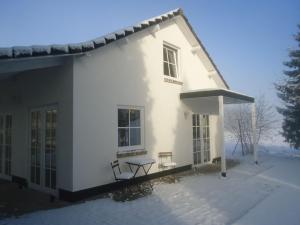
column 151, row 185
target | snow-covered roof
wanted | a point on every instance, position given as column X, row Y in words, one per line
column 17, row 52
column 68, row 49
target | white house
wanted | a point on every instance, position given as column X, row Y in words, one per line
column 67, row 111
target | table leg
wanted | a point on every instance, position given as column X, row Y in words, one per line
column 144, row 169
column 148, row 169
column 137, row 169
column 130, row 168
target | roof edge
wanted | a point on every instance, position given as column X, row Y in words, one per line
column 17, row 52
column 203, row 47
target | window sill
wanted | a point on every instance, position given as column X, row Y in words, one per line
column 123, row 154
column 173, row 81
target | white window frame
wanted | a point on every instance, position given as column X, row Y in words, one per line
column 142, row 126
column 175, row 49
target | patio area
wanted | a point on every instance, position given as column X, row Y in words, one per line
column 267, row 193
column 16, row 202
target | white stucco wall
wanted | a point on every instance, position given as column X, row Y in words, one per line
column 33, row 89
column 131, row 73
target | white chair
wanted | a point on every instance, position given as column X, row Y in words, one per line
column 166, row 161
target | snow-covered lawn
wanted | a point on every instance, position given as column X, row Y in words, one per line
column 268, row 193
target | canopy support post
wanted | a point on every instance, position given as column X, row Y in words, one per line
column 222, row 139
column 254, row 144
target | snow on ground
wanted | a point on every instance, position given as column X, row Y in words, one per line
column 268, row 193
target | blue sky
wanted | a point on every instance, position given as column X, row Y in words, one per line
column 248, row 40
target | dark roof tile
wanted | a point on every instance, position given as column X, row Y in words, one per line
column 22, row 51
column 59, row 49
column 75, row 48
column 99, row 42
column 6, row 53
column 87, row 46
column 40, row 50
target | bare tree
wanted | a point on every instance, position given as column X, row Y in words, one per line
column 238, row 123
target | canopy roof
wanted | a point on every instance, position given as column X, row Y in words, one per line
column 230, row 97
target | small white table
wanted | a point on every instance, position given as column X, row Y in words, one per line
column 140, row 162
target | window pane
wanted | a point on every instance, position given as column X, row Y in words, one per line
column 33, row 156
column 204, row 135
column 37, row 175
column 53, row 159
column 135, row 136
column 53, row 179
column 8, row 122
column 195, row 116
column 198, row 132
column 47, row 178
column 37, row 155
column 48, row 140
column 32, row 174
column 123, row 137
column 198, row 145
column 166, row 69
column 199, row 157
column 194, row 133
column 123, row 117
column 1, row 122
column 135, row 120
column 204, row 120
column 165, row 55
column 173, row 72
column 201, row 120
column 194, row 145
column 171, row 55
column 47, row 158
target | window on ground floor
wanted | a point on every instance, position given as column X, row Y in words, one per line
column 130, row 127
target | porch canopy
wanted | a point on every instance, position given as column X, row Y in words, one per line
column 225, row 96
column 230, row 97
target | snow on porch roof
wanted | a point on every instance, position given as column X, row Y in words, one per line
column 230, row 97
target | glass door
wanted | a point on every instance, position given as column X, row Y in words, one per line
column 201, row 138
column 5, row 145
column 196, row 140
column 50, row 148
column 43, row 148
column 36, row 147
column 205, row 137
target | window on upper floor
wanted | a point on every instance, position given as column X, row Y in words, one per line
column 170, row 61
column 130, row 127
